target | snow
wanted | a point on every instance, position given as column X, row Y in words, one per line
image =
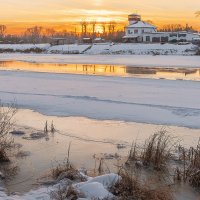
column 93, row 189
column 110, row 48
column 141, row 24
column 166, row 102
column 142, row 49
column 71, row 48
column 129, row 60
column 24, row 46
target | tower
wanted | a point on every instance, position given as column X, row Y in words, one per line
column 133, row 18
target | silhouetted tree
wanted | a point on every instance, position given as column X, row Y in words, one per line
column 34, row 33
column 84, row 27
column 2, row 30
column 93, row 23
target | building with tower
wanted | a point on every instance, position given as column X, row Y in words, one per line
column 139, row 31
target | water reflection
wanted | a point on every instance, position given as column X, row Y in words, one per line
column 106, row 70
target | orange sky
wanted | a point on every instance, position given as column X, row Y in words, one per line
column 21, row 14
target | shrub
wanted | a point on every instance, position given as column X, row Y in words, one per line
column 6, row 123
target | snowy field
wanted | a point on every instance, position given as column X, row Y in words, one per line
column 164, row 102
column 129, row 60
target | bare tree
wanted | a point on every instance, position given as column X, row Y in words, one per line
column 111, row 27
column 176, row 27
column 93, row 23
column 84, row 26
column 103, row 25
column 34, row 33
column 2, row 30
column 50, row 32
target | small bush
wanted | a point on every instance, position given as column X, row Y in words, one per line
column 6, row 123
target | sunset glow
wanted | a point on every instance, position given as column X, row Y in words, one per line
column 65, row 14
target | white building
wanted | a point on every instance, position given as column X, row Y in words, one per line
column 141, row 31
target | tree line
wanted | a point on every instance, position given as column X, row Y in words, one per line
column 110, row 31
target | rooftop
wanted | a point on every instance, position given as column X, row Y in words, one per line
column 141, row 24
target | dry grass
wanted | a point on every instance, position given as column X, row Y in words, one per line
column 190, row 169
column 157, row 150
column 67, row 170
column 63, row 193
column 131, row 188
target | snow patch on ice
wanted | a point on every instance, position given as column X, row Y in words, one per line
column 94, row 188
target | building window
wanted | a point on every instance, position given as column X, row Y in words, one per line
column 142, row 30
column 136, row 31
column 173, row 35
column 147, row 38
column 181, row 35
column 129, row 32
column 156, row 39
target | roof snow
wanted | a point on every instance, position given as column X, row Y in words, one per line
column 141, row 24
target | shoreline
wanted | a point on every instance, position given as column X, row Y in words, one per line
column 80, row 131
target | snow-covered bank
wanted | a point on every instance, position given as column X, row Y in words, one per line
column 128, row 99
column 129, row 60
column 142, row 49
column 107, row 48
column 23, row 47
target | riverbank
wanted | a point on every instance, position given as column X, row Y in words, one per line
column 111, row 138
column 104, row 49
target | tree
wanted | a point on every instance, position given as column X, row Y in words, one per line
column 2, row 30
column 111, row 27
column 93, row 23
column 176, row 27
column 103, row 25
column 84, row 27
column 50, row 32
column 34, row 33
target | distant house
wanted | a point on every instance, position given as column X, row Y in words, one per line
column 141, row 31
column 87, row 40
column 58, row 41
column 99, row 40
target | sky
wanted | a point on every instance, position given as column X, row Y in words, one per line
column 65, row 14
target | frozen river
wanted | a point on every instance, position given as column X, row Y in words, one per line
column 166, row 96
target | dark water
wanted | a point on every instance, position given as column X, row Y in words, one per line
column 186, row 73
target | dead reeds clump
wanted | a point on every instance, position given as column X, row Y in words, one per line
column 67, row 170
column 189, row 171
column 130, row 187
column 157, row 150
column 63, row 193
